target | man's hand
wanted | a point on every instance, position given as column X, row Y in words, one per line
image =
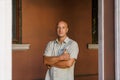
column 50, row 60
column 48, row 66
column 65, row 56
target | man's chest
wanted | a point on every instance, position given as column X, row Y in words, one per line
column 59, row 49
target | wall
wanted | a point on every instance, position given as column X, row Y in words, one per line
column 109, row 47
column 39, row 18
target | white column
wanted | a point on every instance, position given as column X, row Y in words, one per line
column 5, row 39
column 101, row 39
column 117, row 39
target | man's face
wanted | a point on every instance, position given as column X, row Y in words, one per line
column 62, row 29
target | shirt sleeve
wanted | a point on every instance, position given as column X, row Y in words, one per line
column 73, row 50
column 48, row 50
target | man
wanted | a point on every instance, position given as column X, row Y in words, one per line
column 60, row 55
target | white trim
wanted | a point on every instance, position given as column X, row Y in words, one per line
column 92, row 46
column 20, row 46
column 117, row 40
column 5, row 39
column 101, row 39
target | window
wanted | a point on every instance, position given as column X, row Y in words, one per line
column 94, row 21
column 16, row 21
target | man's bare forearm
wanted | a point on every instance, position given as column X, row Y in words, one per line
column 51, row 60
column 64, row 64
column 61, row 64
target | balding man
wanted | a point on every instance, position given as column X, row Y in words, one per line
column 60, row 55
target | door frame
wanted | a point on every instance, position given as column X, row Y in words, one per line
column 101, row 39
column 5, row 55
column 117, row 40
column 5, row 40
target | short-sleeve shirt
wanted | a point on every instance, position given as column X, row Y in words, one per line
column 55, row 49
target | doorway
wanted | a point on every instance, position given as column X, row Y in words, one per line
column 78, row 14
column 37, row 22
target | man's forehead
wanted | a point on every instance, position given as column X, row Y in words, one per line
column 62, row 23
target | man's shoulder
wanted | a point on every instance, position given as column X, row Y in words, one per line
column 51, row 42
column 73, row 41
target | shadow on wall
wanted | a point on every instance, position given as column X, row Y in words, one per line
column 56, row 3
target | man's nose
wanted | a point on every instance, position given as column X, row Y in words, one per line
column 60, row 29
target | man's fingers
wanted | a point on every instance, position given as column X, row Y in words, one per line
column 65, row 51
column 48, row 66
column 65, row 55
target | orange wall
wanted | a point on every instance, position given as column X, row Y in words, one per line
column 109, row 55
column 39, row 18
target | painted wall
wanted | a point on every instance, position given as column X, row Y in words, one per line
column 39, row 18
column 109, row 56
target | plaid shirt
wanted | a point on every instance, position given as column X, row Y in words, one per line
column 55, row 49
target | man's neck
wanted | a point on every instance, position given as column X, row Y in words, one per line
column 61, row 39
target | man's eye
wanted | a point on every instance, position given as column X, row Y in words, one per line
column 63, row 27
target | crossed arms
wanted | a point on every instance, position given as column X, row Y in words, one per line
column 62, row 61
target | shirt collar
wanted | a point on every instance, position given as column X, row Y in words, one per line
column 65, row 41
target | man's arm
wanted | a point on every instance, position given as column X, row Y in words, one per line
column 50, row 60
column 64, row 64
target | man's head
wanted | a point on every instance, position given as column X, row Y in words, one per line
column 62, row 29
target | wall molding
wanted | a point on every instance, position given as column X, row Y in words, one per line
column 93, row 46
column 20, row 46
